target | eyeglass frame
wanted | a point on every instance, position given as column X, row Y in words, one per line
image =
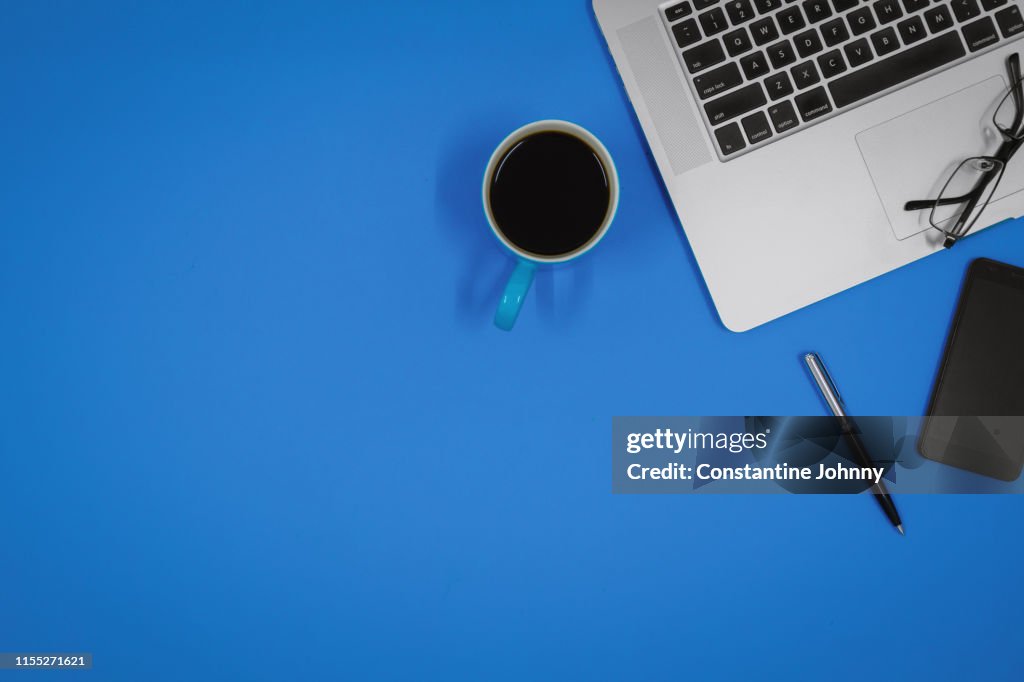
column 1012, row 141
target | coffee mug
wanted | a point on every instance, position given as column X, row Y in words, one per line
column 550, row 193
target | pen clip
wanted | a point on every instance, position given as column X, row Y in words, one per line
column 827, row 376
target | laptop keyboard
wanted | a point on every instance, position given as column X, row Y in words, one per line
column 764, row 69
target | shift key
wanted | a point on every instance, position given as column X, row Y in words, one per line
column 735, row 103
column 717, row 80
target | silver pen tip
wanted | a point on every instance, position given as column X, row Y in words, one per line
column 900, row 529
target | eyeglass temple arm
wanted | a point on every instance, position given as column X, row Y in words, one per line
column 922, row 204
column 1013, row 66
column 955, row 233
column 1005, row 151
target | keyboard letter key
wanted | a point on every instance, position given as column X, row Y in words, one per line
column 778, row 85
column 861, row 21
column 764, row 31
column 885, row 41
column 858, row 52
column 781, row 54
column 939, row 18
column 804, row 75
column 911, row 30
column 887, row 10
column 831, row 64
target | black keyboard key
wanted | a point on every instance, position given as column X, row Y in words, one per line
column 754, row 65
column 778, row 85
column 1010, row 21
column 704, row 55
column 834, row 32
column 790, row 20
column 938, row 18
column 831, row 64
column 965, row 9
column 713, row 21
column 817, row 10
column 807, row 43
column 980, row 34
column 911, row 30
column 704, row 4
column 735, row 103
column 861, row 21
column 710, row 83
column 989, row 5
column 730, row 139
column 739, row 11
column 884, row 74
column 737, row 42
column 914, row 5
column 843, row 5
column 686, row 33
column 885, row 41
column 813, row 104
column 804, row 75
column 766, row 6
column 783, row 116
column 756, row 127
column 887, row 10
column 764, row 30
column 677, row 12
column 781, row 54
column 858, row 52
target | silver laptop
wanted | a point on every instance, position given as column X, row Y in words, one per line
column 790, row 134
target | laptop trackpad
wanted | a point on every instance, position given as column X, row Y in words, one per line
column 912, row 156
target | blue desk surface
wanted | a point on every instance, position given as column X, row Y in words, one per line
column 256, row 423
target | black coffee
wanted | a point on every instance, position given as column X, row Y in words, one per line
column 550, row 194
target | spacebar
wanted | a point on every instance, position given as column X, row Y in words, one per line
column 895, row 70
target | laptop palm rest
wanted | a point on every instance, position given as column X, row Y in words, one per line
column 911, row 156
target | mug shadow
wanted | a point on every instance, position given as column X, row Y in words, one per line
column 562, row 292
column 559, row 292
column 463, row 159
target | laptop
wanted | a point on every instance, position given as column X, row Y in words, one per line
column 790, row 133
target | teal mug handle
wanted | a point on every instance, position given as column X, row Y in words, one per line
column 515, row 291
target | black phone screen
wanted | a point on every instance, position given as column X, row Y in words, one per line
column 976, row 416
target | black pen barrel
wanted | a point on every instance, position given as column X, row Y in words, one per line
column 879, row 490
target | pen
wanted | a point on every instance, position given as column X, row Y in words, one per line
column 835, row 403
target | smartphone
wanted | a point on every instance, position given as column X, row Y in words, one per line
column 975, row 418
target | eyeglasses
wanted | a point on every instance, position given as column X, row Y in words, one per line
column 973, row 183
